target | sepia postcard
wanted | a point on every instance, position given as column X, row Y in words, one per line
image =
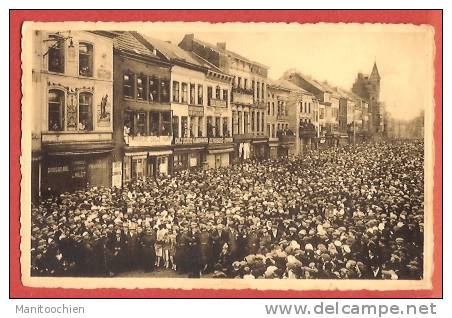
column 194, row 155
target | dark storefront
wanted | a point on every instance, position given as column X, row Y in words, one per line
column 62, row 172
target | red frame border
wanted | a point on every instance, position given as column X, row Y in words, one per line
column 17, row 17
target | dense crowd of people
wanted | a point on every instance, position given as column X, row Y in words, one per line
column 353, row 212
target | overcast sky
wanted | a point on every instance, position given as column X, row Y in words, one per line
column 335, row 53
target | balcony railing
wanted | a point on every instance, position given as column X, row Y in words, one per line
column 240, row 90
column 217, row 102
column 259, row 104
column 282, row 117
column 287, row 138
column 144, row 141
column 68, row 136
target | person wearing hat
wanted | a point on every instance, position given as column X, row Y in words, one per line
column 194, row 262
column 147, row 243
column 206, row 248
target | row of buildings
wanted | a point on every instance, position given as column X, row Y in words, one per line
column 110, row 107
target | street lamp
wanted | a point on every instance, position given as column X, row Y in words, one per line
column 58, row 38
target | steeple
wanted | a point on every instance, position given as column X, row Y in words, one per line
column 375, row 74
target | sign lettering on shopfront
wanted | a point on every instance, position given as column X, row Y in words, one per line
column 58, row 169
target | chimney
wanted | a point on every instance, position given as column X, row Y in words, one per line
column 221, row 46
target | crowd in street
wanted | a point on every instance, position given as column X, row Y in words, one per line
column 352, row 212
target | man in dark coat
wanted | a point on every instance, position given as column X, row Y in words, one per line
column 132, row 249
column 194, row 252
column 147, row 246
column 119, row 254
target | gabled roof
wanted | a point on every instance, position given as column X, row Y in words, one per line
column 228, row 52
column 170, row 51
column 318, row 85
column 282, row 83
column 126, row 42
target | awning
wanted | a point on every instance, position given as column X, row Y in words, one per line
column 225, row 150
column 78, row 153
column 160, row 153
column 186, row 150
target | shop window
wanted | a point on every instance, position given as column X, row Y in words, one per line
column 128, row 85
column 85, row 59
column 153, row 89
column 175, row 92
column 184, row 98
column 140, row 129
column 200, row 90
column 85, row 112
column 141, row 87
column 56, row 55
column 180, row 162
column 192, row 94
column 56, row 110
column 166, row 123
column 126, row 169
column 137, row 168
column 164, row 90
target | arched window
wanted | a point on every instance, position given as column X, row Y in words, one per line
column 56, row 110
column 85, row 59
column 85, row 113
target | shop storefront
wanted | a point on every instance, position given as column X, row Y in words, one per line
column 144, row 164
column 62, row 172
column 259, row 149
column 218, row 157
column 188, row 158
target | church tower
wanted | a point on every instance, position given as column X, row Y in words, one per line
column 373, row 88
column 368, row 88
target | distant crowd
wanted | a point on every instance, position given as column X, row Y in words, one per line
column 352, row 212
